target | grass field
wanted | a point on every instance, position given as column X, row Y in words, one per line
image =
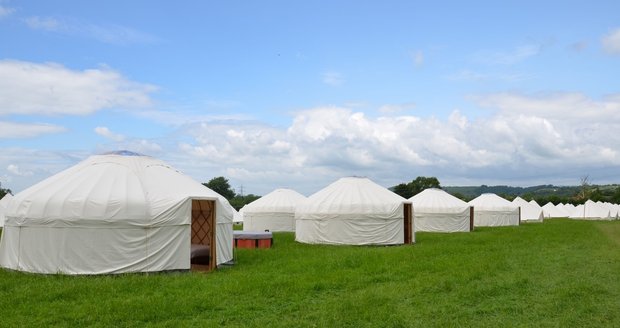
column 560, row 273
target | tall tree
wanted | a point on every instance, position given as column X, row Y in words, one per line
column 3, row 191
column 221, row 186
column 416, row 186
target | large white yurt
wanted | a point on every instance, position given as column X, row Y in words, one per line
column 114, row 213
column 274, row 211
column 353, row 211
column 437, row 211
column 591, row 211
column 529, row 212
column 492, row 211
column 4, row 203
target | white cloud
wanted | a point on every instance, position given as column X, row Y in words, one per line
column 513, row 57
column 105, row 132
column 562, row 106
column 333, row 79
column 46, row 89
column 27, row 130
column 44, row 23
column 611, row 42
column 418, row 58
column 15, row 170
column 525, row 140
column 5, row 11
column 110, row 33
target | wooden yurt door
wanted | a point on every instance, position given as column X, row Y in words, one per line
column 203, row 251
column 408, row 222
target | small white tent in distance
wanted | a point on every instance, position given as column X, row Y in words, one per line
column 435, row 210
column 492, row 211
column 115, row 213
column 553, row 211
column 529, row 211
column 274, row 211
column 4, row 203
column 354, row 211
column 591, row 211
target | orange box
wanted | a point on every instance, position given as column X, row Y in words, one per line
column 264, row 243
column 245, row 243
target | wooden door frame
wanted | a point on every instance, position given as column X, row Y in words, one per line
column 408, row 224
column 204, row 209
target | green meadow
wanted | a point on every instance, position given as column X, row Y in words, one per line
column 560, row 273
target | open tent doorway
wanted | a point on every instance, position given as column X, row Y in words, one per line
column 203, row 245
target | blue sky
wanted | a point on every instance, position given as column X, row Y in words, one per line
column 286, row 94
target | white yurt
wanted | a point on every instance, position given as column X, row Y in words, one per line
column 492, row 211
column 437, row 211
column 568, row 208
column 4, row 203
column 352, row 211
column 274, row 211
column 553, row 211
column 591, row 211
column 237, row 217
column 114, row 213
column 529, row 212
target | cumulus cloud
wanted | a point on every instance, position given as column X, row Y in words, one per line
column 27, row 130
column 105, row 132
column 110, row 33
column 333, row 79
column 611, row 42
column 46, row 89
column 527, row 139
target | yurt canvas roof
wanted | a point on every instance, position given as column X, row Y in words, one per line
column 437, row 211
column 491, row 201
column 434, row 200
column 279, row 200
column 111, row 213
column 353, row 211
column 4, row 202
column 274, row 211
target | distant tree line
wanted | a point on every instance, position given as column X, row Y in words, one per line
column 221, row 186
column 541, row 194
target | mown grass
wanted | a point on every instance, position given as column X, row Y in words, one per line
column 560, row 273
